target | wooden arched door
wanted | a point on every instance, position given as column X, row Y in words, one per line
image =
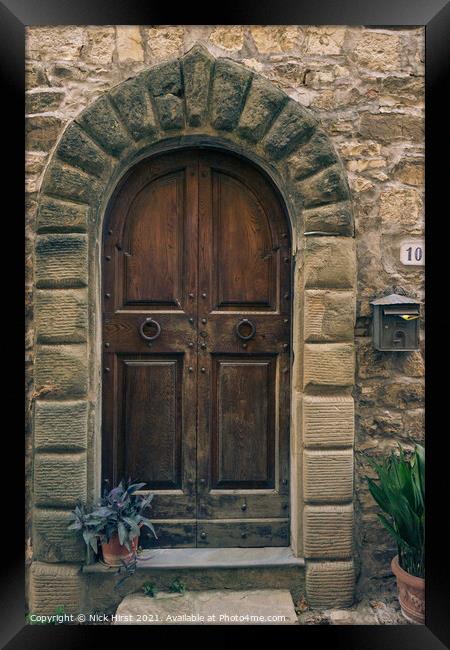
column 196, row 338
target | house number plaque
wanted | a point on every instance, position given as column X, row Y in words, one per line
column 412, row 252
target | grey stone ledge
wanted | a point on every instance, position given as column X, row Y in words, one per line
column 215, row 558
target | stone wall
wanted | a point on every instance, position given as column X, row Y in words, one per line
column 366, row 86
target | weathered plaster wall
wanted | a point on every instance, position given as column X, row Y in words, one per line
column 366, row 86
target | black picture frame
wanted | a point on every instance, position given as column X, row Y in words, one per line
column 435, row 16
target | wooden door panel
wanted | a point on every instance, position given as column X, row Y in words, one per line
column 171, row 534
column 245, row 533
column 243, row 423
column 152, row 421
column 153, row 250
column 251, row 504
column 244, row 276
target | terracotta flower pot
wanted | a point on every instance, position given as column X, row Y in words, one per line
column 411, row 593
column 114, row 553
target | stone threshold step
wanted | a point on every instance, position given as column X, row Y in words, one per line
column 213, row 607
column 212, row 558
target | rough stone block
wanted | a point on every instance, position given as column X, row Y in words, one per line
column 41, row 132
column 329, row 315
column 293, row 126
column 42, row 101
column 71, row 183
column 166, row 87
column 60, row 426
column 133, row 104
column 102, row 124
column 59, row 479
column 328, row 421
column 327, row 475
column 392, row 126
column 52, row 541
column 197, row 65
column 62, row 216
column 53, row 586
column 327, row 186
column 264, row 101
column 77, row 149
column 329, row 364
column 61, row 261
column 313, row 156
column 61, row 315
column 62, row 370
column 333, row 219
column 330, row 584
column 330, row 262
column 328, row 531
column 230, row 85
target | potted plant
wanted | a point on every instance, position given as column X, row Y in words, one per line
column 115, row 521
column 400, row 493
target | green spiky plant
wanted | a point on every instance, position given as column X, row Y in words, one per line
column 400, row 493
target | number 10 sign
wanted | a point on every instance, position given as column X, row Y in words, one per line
column 412, row 252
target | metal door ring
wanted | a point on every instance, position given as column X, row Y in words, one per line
column 150, row 321
column 248, row 323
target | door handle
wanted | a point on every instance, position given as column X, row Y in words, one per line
column 242, row 326
column 154, row 324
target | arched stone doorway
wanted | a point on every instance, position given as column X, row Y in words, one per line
column 212, row 103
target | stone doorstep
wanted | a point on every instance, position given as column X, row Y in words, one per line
column 214, row 558
column 214, row 607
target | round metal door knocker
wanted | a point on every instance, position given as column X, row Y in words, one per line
column 152, row 323
column 244, row 325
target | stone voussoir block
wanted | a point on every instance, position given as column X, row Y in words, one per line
column 326, row 186
column 165, row 85
column 329, row 315
column 330, row 584
column 197, row 65
column 59, row 479
column 52, row 541
column 329, row 364
column 293, row 126
column 330, row 262
column 53, row 586
column 78, row 150
column 132, row 102
column 315, row 155
column 61, row 260
column 61, row 315
column 327, row 475
column 328, row 421
column 230, row 85
column 102, row 124
column 60, row 425
column 264, row 101
column 65, row 182
column 328, row 531
column 55, row 215
column 62, row 370
column 333, row 219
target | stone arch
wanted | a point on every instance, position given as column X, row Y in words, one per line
column 206, row 102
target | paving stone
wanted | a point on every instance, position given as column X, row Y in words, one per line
column 213, row 607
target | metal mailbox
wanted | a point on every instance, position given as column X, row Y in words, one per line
column 396, row 323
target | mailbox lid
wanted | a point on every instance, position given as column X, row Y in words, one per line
column 399, row 310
